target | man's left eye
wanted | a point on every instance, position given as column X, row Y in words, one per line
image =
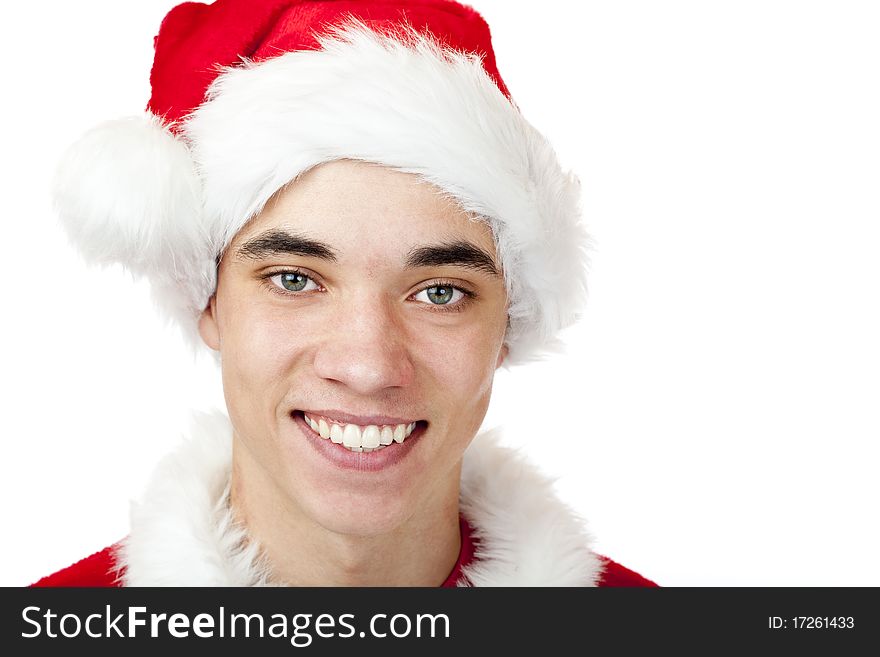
column 440, row 295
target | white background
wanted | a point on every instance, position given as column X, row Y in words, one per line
column 716, row 419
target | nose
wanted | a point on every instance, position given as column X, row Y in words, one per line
column 366, row 349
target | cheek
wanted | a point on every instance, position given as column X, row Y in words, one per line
column 259, row 343
column 461, row 363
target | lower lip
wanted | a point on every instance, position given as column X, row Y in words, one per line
column 343, row 457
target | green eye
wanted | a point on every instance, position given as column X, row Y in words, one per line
column 444, row 296
column 440, row 294
column 294, row 281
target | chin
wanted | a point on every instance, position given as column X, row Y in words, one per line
column 372, row 516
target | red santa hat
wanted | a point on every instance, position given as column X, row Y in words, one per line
column 249, row 94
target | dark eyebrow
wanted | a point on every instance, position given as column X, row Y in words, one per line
column 275, row 242
column 459, row 253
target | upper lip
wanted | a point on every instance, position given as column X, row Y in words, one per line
column 363, row 420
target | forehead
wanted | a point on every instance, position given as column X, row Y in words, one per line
column 366, row 208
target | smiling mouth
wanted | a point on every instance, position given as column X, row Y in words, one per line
column 359, row 437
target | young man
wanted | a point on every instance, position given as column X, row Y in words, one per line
column 343, row 203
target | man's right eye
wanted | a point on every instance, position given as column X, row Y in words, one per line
column 293, row 281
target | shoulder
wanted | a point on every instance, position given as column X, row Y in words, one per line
column 614, row 574
column 97, row 570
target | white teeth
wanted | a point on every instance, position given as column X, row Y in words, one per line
column 399, row 433
column 370, row 436
column 361, row 439
column 351, row 436
column 336, row 434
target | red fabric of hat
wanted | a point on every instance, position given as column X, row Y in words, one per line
column 195, row 38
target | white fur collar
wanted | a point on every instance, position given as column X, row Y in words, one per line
column 182, row 534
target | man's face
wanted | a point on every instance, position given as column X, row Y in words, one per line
column 362, row 299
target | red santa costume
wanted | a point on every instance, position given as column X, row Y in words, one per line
column 248, row 95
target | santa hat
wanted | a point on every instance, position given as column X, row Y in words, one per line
column 249, row 94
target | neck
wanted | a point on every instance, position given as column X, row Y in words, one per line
column 420, row 551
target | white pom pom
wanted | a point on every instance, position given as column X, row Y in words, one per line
column 128, row 192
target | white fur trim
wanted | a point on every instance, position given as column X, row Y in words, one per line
column 528, row 537
column 182, row 533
